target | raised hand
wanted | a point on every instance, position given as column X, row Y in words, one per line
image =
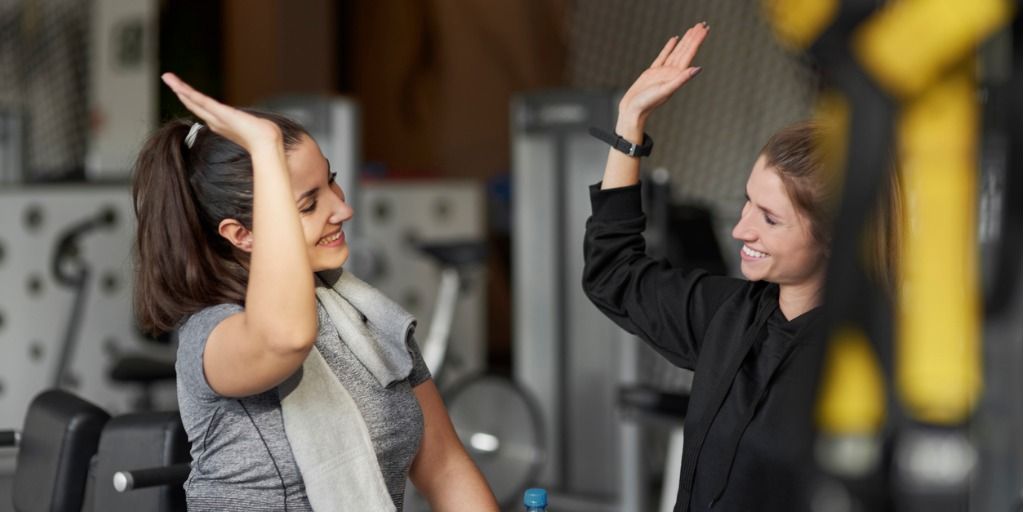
column 669, row 71
column 240, row 127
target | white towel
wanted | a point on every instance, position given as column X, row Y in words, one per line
column 327, row 434
column 374, row 327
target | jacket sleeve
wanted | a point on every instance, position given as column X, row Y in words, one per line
column 667, row 307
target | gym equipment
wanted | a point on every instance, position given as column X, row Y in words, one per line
column 903, row 83
column 40, row 250
column 499, row 424
column 73, row 457
column 144, row 371
column 566, row 353
column 72, row 271
column 497, row 421
column 147, row 454
column 60, row 435
column 396, row 216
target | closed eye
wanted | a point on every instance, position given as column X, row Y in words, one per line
column 331, row 176
column 767, row 215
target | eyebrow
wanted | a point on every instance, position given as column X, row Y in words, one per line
column 762, row 208
column 307, row 194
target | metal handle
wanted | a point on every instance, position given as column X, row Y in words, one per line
column 150, row 477
column 10, row 438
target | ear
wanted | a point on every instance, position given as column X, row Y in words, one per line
column 234, row 232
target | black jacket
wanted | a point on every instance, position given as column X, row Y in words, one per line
column 755, row 372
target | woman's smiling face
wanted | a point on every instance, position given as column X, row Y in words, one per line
column 778, row 246
column 321, row 204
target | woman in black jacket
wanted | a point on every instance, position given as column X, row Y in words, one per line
column 749, row 423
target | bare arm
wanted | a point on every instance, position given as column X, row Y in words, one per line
column 255, row 350
column 669, row 71
column 442, row 470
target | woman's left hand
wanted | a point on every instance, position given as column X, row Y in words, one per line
column 669, row 71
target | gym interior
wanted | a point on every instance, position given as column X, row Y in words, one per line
column 460, row 133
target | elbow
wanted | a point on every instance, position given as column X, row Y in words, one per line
column 294, row 339
column 287, row 331
column 588, row 292
column 591, row 284
column 588, row 277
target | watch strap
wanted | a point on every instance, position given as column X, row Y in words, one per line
column 616, row 141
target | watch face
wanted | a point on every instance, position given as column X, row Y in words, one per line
column 642, row 149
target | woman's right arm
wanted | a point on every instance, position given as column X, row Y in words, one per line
column 253, row 351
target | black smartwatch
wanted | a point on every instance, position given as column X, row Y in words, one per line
column 627, row 147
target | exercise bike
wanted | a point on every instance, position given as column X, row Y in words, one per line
column 498, row 421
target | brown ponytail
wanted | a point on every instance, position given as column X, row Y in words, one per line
column 180, row 195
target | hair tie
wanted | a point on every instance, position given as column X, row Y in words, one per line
column 190, row 139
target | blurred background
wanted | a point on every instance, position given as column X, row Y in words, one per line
column 459, row 124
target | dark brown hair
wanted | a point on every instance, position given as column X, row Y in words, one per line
column 180, row 195
column 805, row 156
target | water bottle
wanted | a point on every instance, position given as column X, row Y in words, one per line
column 535, row 500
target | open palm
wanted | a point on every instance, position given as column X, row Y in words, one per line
column 669, row 71
column 236, row 125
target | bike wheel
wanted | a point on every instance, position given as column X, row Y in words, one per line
column 500, row 426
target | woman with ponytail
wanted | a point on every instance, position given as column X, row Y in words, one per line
column 300, row 387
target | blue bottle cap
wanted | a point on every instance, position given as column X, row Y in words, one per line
column 535, row 498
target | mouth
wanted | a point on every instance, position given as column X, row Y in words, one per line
column 751, row 254
column 332, row 240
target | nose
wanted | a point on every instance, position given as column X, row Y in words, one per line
column 340, row 210
column 743, row 231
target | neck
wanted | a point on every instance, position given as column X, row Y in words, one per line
column 797, row 299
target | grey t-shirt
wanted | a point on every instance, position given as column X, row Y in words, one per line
column 241, row 459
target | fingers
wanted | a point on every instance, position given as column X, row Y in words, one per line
column 684, row 76
column 201, row 105
column 196, row 109
column 682, row 55
column 671, row 84
column 173, row 81
column 660, row 59
column 180, row 88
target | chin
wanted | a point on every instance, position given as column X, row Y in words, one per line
column 752, row 275
column 332, row 262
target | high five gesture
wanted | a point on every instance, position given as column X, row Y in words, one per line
column 670, row 70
